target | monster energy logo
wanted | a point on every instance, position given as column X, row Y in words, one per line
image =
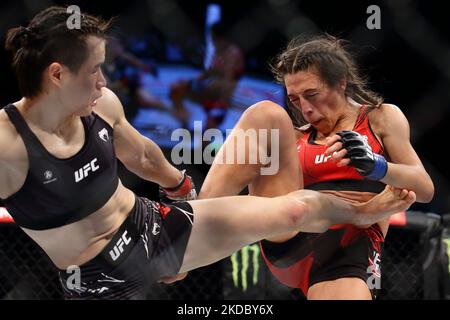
column 447, row 242
column 244, row 265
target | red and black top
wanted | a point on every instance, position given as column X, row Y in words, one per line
column 320, row 173
column 344, row 250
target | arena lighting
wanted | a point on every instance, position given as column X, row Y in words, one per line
column 5, row 217
column 213, row 15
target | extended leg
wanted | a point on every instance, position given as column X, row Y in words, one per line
column 224, row 225
column 229, row 178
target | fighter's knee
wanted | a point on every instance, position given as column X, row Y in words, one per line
column 268, row 113
column 295, row 211
column 304, row 214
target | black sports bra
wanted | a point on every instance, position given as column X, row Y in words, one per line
column 57, row 191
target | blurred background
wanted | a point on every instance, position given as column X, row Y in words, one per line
column 161, row 62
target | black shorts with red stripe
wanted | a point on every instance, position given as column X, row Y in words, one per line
column 342, row 251
column 150, row 244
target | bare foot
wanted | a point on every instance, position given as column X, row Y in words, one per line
column 390, row 201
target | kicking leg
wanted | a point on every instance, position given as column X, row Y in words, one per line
column 224, row 225
column 228, row 179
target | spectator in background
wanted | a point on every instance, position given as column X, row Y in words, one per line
column 213, row 88
column 124, row 71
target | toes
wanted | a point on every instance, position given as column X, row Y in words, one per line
column 403, row 193
column 412, row 196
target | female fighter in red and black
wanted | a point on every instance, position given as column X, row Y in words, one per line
column 351, row 146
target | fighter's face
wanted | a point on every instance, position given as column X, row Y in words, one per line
column 313, row 97
column 83, row 88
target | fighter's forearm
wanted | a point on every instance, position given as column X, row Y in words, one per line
column 409, row 177
column 155, row 167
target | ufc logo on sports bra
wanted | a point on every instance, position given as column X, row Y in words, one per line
column 118, row 248
column 83, row 172
column 321, row 158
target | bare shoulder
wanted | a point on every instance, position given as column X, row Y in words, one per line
column 109, row 107
column 9, row 138
column 13, row 157
column 385, row 112
column 387, row 117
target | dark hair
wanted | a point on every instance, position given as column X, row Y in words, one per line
column 48, row 39
column 327, row 56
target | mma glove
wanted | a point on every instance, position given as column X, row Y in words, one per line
column 184, row 191
column 369, row 164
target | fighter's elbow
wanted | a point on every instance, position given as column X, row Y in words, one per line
column 427, row 192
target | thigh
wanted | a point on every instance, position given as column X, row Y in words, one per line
column 346, row 264
column 286, row 176
column 224, row 225
column 340, row 289
column 166, row 237
column 284, row 180
column 275, row 173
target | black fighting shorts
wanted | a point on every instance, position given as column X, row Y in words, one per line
column 340, row 252
column 150, row 244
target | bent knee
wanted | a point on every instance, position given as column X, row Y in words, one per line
column 268, row 114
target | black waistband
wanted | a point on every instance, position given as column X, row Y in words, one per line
column 120, row 246
column 349, row 185
column 118, row 249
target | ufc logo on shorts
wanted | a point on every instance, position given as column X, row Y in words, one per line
column 82, row 173
column 118, row 248
column 374, row 280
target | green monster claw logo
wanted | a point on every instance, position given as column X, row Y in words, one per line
column 245, row 263
column 447, row 242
